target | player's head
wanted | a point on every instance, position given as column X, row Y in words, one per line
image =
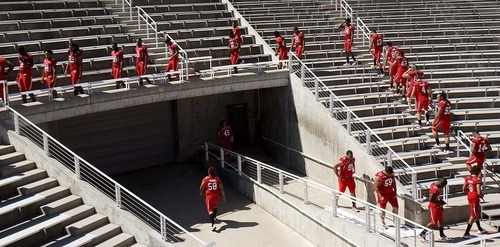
column 276, row 34
column 73, row 47
column 348, row 154
column 235, row 23
column 389, row 44
column 442, row 182
column 139, row 42
column 401, row 52
column 211, row 171
column 475, row 170
column 295, row 29
column 374, row 31
column 388, row 170
column 114, row 47
column 441, row 95
column 231, row 35
column 49, row 53
column 223, row 123
column 168, row 41
column 21, row 50
column 348, row 20
column 475, row 133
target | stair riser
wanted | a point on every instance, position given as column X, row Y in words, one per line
column 19, row 169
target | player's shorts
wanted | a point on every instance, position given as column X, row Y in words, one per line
column 376, row 53
column 24, row 82
column 422, row 105
column 348, row 45
column 117, row 72
column 347, row 183
column 283, row 55
column 409, row 91
column 211, row 202
column 2, row 91
column 475, row 209
column 227, row 145
column 298, row 51
column 75, row 76
column 436, row 212
column 442, row 125
column 235, row 56
column 392, row 71
column 479, row 160
column 49, row 80
column 399, row 78
column 391, row 198
column 172, row 64
column 140, row 68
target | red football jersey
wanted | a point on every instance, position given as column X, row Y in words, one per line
column 141, row 53
column 471, row 186
column 298, row 39
column 237, row 34
column 48, row 67
column 3, row 65
column 212, row 186
column 348, row 31
column 421, row 90
column 347, row 167
column 281, row 43
column 402, row 63
column 234, row 44
column 393, row 53
column 174, row 48
column 226, row 133
column 117, row 58
column 73, row 59
column 387, row 183
column 377, row 42
column 447, row 109
column 433, row 189
column 412, row 74
column 480, row 144
column 25, row 63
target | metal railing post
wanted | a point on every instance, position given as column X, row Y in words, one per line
column 389, row 158
column 397, row 225
column 414, row 185
column 331, row 105
column 335, row 202
column 259, row 175
column 123, row 5
column 207, row 158
column 156, row 33
column 280, row 174
column 16, row 124
column 458, row 145
column 131, row 9
column 303, row 74
column 46, row 144
column 221, row 158
column 118, row 195
column 431, row 239
column 316, row 89
column 306, row 197
column 163, row 228
column 77, row 167
column 368, row 141
column 138, row 18
column 348, row 121
column 367, row 217
column 238, row 159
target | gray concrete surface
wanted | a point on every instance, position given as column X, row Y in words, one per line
column 173, row 189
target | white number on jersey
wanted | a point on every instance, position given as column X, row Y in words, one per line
column 388, row 182
column 447, row 110
column 212, row 186
column 481, row 148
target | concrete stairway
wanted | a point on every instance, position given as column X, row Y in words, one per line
column 36, row 211
column 455, row 46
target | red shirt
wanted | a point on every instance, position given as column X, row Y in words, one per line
column 226, row 133
column 212, row 186
column 347, row 167
column 377, row 42
column 3, row 65
column 480, row 144
column 386, row 183
column 402, row 64
column 471, row 187
column 237, row 34
column 447, row 109
column 414, row 74
column 173, row 49
column 25, row 63
column 281, row 43
column 117, row 58
column 298, row 39
column 48, row 66
column 348, row 32
column 73, row 59
column 141, row 53
column 433, row 189
column 234, row 44
column 393, row 53
column 421, row 90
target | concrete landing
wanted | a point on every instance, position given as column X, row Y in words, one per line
column 173, row 189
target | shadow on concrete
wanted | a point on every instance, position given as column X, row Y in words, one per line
column 231, row 224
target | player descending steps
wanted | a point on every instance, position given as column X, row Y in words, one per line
column 376, row 48
column 212, row 186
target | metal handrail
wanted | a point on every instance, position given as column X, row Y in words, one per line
column 481, row 239
column 361, row 26
column 308, row 186
column 150, row 22
column 347, row 9
column 84, row 171
column 259, row 66
column 129, row 3
column 351, row 117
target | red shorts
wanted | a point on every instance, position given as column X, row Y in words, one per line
column 442, row 125
column 298, row 51
column 75, row 76
column 140, row 68
column 391, row 198
column 392, row 70
column 283, row 55
column 409, row 92
column 376, row 55
column 235, row 56
column 227, row 145
column 347, row 183
column 399, row 78
column 3, row 90
column 24, row 82
column 49, row 79
column 479, row 160
column 475, row 209
column 117, row 72
column 436, row 213
column 347, row 45
column 172, row 64
column 422, row 105
column 211, row 202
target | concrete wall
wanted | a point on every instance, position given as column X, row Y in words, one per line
column 91, row 196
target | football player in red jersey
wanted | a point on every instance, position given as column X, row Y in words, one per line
column 141, row 60
column 212, row 186
column 117, row 64
column 376, row 48
column 237, row 33
column 401, row 65
column 344, row 170
column 173, row 58
column 442, row 121
column 25, row 76
column 391, row 53
column 479, row 147
column 411, row 74
column 472, row 186
column 298, row 42
column 422, row 92
column 74, row 66
column 225, row 135
column 234, row 50
column 49, row 74
column 348, row 40
column 436, row 210
column 281, row 49
column 385, row 188
column 5, row 68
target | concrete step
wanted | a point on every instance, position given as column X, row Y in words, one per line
column 9, row 185
column 10, row 158
column 86, row 225
column 5, row 149
column 61, row 205
column 38, row 186
column 18, row 167
column 138, row 245
column 94, row 237
column 120, row 240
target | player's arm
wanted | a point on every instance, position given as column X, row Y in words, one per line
column 342, row 25
column 30, row 61
column 377, row 183
column 478, row 190
column 406, row 75
column 175, row 54
column 472, row 146
column 433, row 198
column 429, row 93
column 222, row 191
column 202, row 187
column 371, row 45
column 488, row 147
column 54, row 73
column 439, row 113
column 146, row 55
column 80, row 63
column 67, row 67
column 336, row 168
column 121, row 61
column 464, row 187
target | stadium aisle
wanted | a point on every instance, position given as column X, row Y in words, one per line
column 173, row 189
